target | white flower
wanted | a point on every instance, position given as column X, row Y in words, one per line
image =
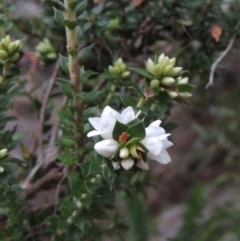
column 106, row 148
column 104, row 125
column 156, row 142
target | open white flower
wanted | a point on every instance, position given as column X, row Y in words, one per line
column 156, row 142
column 104, row 125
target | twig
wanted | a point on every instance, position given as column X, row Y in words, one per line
column 214, row 65
column 53, row 175
column 39, row 138
column 65, row 170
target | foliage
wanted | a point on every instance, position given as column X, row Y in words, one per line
column 108, row 53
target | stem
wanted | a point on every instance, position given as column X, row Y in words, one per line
column 74, row 70
column 141, row 102
column 110, row 94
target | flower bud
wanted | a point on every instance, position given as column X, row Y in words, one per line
column 84, row 195
column 161, row 58
column 158, row 70
column 154, row 83
column 172, row 94
column 165, row 62
column 3, row 54
column 127, row 163
column 185, row 94
column 133, row 151
column 125, row 74
column 79, row 204
column 69, row 220
column 150, row 66
column 167, row 81
column 124, row 153
column 11, row 47
column 74, row 213
column 172, row 61
column 15, row 57
column 3, row 153
column 116, row 165
column 1, row 169
column 119, row 62
column 7, row 40
column 176, row 71
column 182, row 81
column 111, row 69
column 52, row 55
column 94, row 180
column 17, row 43
column 168, row 70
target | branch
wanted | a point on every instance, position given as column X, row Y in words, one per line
column 214, row 65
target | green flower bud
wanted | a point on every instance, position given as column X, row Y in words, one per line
column 161, row 58
column 79, row 204
column 52, row 55
column 7, row 40
column 185, row 94
column 182, row 81
column 69, row 220
column 18, row 43
column 150, row 66
column 172, row 94
column 11, row 47
column 168, row 81
column 15, row 57
column 165, row 62
column 84, row 195
column 111, row 69
column 158, row 70
column 94, row 180
column 124, row 153
column 125, row 74
column 176, row 71
column 1, row 169
column 3, row 54
column 154, row 83
column 3, row 153
column 168, row 70
column 172, row 61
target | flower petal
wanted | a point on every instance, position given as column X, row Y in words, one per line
column 153, row 144
column 127, row 163
column 106, row 148
column 116, row 165
column 93, row 133
column 163, row 157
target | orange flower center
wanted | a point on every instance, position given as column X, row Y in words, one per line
column 123, row 137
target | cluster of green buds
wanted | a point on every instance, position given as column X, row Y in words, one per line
column 3, row 153
column 9, row 50
column 167, row 77
column 119, row 68
column 46, row 52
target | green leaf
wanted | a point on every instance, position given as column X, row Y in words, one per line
column 133, row 141
column 86, row 75
column 137, row 130
column 185, row 87
column 64, row 63
column 80, row 33
column 127, row 100
column 144, row 73
column 63, row 81
column 68, row 142
column 84, row 53
column 119, row 128
column 58, row 16
column 19, row 136
column 67, row 159
column 66, row 89
column 70, row 24
column 91, row 96
column 106, row 172
column 79, row 6
column 58, row 2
